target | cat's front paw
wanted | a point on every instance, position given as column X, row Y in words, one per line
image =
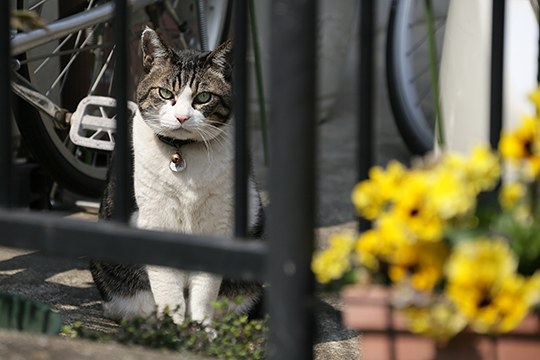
column 177, row 314
column 211, row 332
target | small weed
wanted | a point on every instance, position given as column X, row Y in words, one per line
column 230, row 337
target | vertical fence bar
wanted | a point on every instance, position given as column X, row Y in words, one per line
column 240, row 118
column 292, row 180
column 122, row 164
column 365, row 95
column 497, row 59
column 5, row 109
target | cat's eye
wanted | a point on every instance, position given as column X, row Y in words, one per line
column 166, row 94
column 203, row 97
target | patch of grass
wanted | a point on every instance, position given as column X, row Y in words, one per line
column 231, row 337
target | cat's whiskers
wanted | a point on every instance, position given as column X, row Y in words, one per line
column 206, row 144
column 221, row 124
column 218, row 135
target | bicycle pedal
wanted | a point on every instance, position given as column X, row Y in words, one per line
column 93, row 124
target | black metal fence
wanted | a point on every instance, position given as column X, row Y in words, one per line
column 284, row 258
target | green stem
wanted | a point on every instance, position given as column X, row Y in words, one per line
column 533, row 189
column 259, row 78
column 434, row 71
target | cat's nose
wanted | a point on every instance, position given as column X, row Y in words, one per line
column 182, row 118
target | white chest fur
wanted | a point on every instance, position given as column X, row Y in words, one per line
column 198, row 200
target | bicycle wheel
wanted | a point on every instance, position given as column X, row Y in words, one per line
column 407, row 70
column 81, row 64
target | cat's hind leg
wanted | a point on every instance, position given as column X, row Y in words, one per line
column 124, row 289
column 120, row 307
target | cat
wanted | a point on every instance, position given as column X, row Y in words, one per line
column 182, row 182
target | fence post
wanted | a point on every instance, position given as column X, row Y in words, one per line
column 292, row 178
column 122, row 158
column 240, row 119
column 6, row 152
column 497, row 57
column 365, row 136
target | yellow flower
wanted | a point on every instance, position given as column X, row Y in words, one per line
column 450, row 195
column 370, row 197
column 511, row 194
column 438, row 320
column 334, row 261
column 368, row 200
column 521, row 146
column 420, row 264
column 480, row 262
column 480, row 171
column 500, row 307
column 483, row 169
column 412, row 208
column 368, row 249
column 388, row 238
column 484, row 286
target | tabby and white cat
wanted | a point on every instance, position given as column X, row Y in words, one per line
column 183, row 174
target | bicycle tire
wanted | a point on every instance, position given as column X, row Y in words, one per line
column 415, row 123
column 51, row 153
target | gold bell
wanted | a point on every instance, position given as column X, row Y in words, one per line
column 176, row 158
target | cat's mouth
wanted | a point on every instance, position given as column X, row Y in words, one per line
column 176, row 129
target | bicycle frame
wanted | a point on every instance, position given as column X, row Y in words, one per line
column 23, row 42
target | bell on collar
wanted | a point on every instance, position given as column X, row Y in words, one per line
column 177, row 163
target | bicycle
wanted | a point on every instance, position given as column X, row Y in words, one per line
column 464, row 73
column 69, row 67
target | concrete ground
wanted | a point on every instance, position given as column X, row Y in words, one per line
column 66, row 285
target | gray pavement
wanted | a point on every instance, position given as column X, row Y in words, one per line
column 66, row 285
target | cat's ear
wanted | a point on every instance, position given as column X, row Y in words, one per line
column 152, row 48
column 221, row 57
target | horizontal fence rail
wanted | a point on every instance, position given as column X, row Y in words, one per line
column 113, row 242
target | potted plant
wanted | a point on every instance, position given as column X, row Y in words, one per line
column 451, row 265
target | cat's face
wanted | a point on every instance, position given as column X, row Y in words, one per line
column 185, row 95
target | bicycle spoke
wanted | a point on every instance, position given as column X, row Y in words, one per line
column 65, row 52
column 53, row 52
column 76, row 44
column 101, row 72
column 423, row 94
column 422, row 39
column 416, row 76
column 33, row 7
column 109, row 91
column 421, row 21
column 68, row 65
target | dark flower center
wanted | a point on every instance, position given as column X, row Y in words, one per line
column 486, row 301
column 528, row 147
